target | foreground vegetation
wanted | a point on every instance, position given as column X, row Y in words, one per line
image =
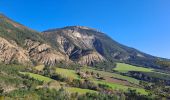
column 47, row 83
column 37, row 77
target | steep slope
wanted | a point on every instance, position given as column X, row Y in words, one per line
column 77, row 45
column 88, row 45
column 14, row 31
column 43, row 53
column 21, row 44
column 11, row 53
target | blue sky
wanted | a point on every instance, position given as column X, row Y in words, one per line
column 142, row 24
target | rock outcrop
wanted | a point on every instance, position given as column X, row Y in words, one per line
column 43, row 53
column 78, row 45
column 91, row 59
column 12, row 53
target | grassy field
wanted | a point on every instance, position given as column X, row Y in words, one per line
column 114, row 75
column 67, row 73
column 122, row 87
column 69, row 89
column 38, row 77
column 124, row 68
column 71, row 73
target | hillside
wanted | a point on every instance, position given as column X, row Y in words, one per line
column 22, row 45
column 88, row 46
column 72, row 44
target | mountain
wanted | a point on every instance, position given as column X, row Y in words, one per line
column 78, row 44
column 88, row 46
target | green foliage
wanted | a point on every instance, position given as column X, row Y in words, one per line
column 67, row 73
column 39, row 94
column 115, row 86
column 104, row 86
column 158, row 75
column 9, row 74
column 133, row 95
column 114, row 75
column 1, row 90
column 15, row 31
column 100, row 96
column 85, row 84
column 79, row 90
column 76, row 87
column 37, row 77
column 107, row 66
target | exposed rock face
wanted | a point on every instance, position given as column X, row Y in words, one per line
column 64, row 45
column 23, row 45
column 43, row 53
column 91, row 58
column 10, row 52
column 78, row 45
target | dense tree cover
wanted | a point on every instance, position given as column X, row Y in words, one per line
column 150, row 76
column 108, row 65
column 61, row 94
column 85, row 84
column 72, row 66
column 39, row 94
column 158, row 88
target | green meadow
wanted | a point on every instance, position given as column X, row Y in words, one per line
column 67, row 73
column 122, row 87
column 37, row 76
column 114, row 75
column 124, row 68
column 71, row 73
column 69, row 89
